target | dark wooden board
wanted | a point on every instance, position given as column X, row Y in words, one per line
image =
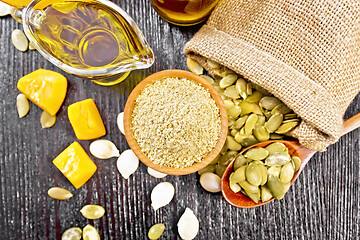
column 323, row 204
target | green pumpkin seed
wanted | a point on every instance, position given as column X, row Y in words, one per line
column 156, row 231
column 246, row 107
column 265, row 194
column 290, row 116
column 232, row 144
column 275, row 136
column 59, row 193
column 233, row 132
column 249, row 89
column 239, row 175
column 257, row 110
column 250, row 123
column 274, row 122
column 220, row 169
column 253, row 174
column 231, row 121
column 255, row 97
column 212, row 63
column 228, row 80
column 274, row 170
column 240, row 122
column 267, row 114
column 234, row 111
column 277, row 159
column 269, row 102
column 208, row 168
column 281, row 108
column 248, row 187
column 286, row 127
column 73, row 233
column 291, row 120
column 228, row 71
column 240, row 161
column 209, row 79
column 241, row 86
column 227, row 157
column 228, row 103
column 219, row 72
column 254, row 196
column 261, row 121
column 261, row 133
column 297, row 162
column 264, row 174
column 245, row 140
column 92, row 211
column 276, row 187
column 233, row 185
column 194, row 66
column 276, row 147
column 257, row 153
column 230, row 92
column 287, row 173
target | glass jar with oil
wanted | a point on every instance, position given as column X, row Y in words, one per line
column 184, row 12
column 94, row 39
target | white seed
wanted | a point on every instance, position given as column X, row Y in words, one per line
column 59, row 193
column 120, row 122
column 155, row 173
column 127, row 163
column 161, row 195
column 104, row 149
column 47, row 120
column 19, row 40
column 22, row 105
column 188, row 225
column 194, row 66
column 4, row 9
column 31, row 46
column 210, row 182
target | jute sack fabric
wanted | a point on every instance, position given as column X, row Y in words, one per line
column 305, row 52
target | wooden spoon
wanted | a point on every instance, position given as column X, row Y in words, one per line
column 295, row 149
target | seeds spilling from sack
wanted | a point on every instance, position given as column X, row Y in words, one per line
column 264, row 173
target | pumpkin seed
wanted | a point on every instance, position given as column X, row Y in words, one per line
column 231, row 92
column 253, row 174
column 261, row 133
column 240, row 161
column 47, row 120
column 249, row 88
column 241, row 87
column 212, row 63
column 209, row 79
column 103, row 149
column 275, row 136
column 219, row 72
column 281, row 108
column 254, row 196
column 228, row 80
column 156, row 231
column 161, row 195
column 246, row 108
column 264, row 174
column 234, row 111
column 59, row 193
column 120, row 122
column 220, row 169
column 188, row 225
column 210, row 182
column 233, row 132
column 257, row 153
column 297, row 162
column 269, row 102
column 4, row 9
column 274, row 122
column 265, row 194
column 19, row 40
column 73, row 233
column 261, row 120
column 245, row 140
column 227, row 157
column 277, row 159
column 231, row 121
column 287, row 173
column 233, row 185
column 291, row 120
column 250, row 123
column 290, row 116
column 209, row 168
column 228, row 71
column 240, row 174
column 240, row 122
column 155, row 173
column 90, row 233
column 127, row 163
column 255, row 97
column 276, row 147
column 276, row 187
column 248, row 187
column 194, row 66
column 228, row 103
column 32, row 45
column 92, row 211
column 274, row 170
column 286, row 127
column 22, row 105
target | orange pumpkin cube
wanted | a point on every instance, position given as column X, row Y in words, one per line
column 45, row 88
column 75, row 164
column 86, row 120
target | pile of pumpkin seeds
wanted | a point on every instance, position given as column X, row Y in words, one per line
column 254, row 114
column 264, row 173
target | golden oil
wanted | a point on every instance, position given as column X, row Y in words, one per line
column 89, row 35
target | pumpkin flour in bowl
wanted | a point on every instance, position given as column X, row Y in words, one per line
column 175, row 122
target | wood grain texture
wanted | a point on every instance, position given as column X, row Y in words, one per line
column 324, row 203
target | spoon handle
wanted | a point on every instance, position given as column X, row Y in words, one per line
column 351, row 124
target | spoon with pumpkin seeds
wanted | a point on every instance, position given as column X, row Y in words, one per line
column 239, row 184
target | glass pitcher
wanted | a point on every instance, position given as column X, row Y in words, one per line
column 93, row 39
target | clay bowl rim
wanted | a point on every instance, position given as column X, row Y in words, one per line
column 180, row 74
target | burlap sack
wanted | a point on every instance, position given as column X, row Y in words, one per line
column 305, row 52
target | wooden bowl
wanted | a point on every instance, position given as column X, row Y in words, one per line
column 130, row 106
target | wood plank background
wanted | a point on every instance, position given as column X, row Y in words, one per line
column 323, row 204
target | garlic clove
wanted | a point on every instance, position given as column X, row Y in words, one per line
column 161, row 195
column 188, row 225
column 127, row 163
column 155, row 173
column 120, row 122
column 104, row 149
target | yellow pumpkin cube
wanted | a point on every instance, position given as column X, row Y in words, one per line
column 75, row 164
column 45, row 88
column 86, row 120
